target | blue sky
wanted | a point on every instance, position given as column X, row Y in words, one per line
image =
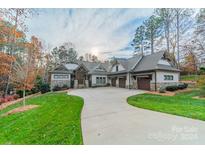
column 104, row 32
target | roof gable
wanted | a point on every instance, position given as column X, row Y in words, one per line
column 120, row 67
column 61, row 68
column 100, row 68
column 130, row 63
column 150, row 62
column 71, row 66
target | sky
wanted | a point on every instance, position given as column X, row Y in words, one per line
column 103, row 32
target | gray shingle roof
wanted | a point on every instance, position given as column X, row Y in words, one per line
column 71, row 66
column 130, row 63
column 136, row 63
column 89, row 65
column 150, row 62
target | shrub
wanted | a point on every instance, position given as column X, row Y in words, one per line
column 34, row 90
column 182, row 86
column 202, row 92
column 202, row 70
column 162, row 89
column 56, row 88
column 172, row 88
column 20, row 93
column 39, row 82
column 8, row 99
column 1, row 100
column 44, row 88
column 64, row 87
column 16, row 96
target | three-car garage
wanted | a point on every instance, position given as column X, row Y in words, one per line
column 143, row 82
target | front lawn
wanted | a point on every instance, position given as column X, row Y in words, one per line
column 55, row 121
column 181, row 104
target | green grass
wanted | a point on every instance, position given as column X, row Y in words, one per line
column 181, row 104
column 55, row 121
column 189, row 77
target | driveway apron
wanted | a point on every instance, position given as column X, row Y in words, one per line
column 107, row 118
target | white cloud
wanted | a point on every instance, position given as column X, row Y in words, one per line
column 108, row 30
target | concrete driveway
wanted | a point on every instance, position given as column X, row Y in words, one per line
column 108, row 119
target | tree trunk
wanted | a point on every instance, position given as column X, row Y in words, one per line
column 142, row 48
column 168, row 36
column 12, row 48
column 152, row 44
column 24, row 97
column 178, row 39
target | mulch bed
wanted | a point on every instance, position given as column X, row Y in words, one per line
column 169, row 93
column 61, row 91
column 197, row 97
column 20, row 109
column 189, row 81
column 5, row 105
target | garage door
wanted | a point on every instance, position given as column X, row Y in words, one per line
column 113, row 82
column 143, row 83
column 122, row 82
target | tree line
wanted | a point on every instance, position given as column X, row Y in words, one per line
column 179, row 31
column 25, row 63
column 22, row 60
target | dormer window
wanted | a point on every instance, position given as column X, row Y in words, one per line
column 117, row 68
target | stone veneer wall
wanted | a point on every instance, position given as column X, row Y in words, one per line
column 164, row 84
column 60, row 83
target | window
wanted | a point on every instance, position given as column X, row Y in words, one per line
column 117, row 68
column 97, row 80
column 100, row 80
column 168, row 77
column 104, row 81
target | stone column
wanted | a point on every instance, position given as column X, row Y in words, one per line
column 134, row 83
column 86, row 84
column 75, row 83
column 128, row 81
column 117, row 82
column 108, row 81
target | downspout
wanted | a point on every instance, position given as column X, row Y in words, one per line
column 155, row 78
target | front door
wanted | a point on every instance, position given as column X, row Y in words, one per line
column 81, row 75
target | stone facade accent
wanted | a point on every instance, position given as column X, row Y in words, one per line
column 134, row 85
column 159, row 85
column 128, row 81
column 86, row 84
column 75, row 83
column 60, row 83
column 117, row 82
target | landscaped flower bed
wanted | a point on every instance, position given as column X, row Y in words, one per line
column 8, row 98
